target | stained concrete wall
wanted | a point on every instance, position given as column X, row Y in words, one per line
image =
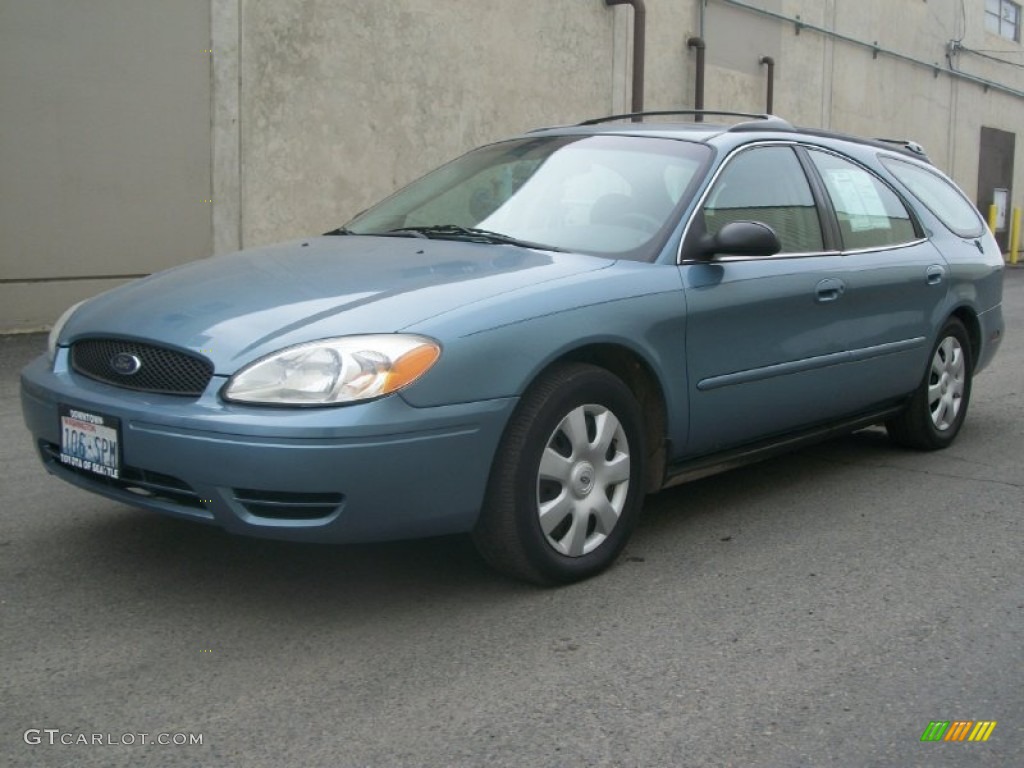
column 343, row 101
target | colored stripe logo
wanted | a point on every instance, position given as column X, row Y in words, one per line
column 958, row 730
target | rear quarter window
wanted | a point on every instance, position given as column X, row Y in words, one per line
column 940, row 196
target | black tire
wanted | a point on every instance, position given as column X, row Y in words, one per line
column 932, row 421
column 510, row 535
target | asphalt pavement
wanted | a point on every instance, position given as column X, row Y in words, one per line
column 819, row 609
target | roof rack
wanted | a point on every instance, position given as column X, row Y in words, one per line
column 763, row 121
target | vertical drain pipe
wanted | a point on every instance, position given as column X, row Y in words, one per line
column 639, row 44
column 769, row 62
column 698, row 87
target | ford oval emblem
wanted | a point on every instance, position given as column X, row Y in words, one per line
column 125, row 364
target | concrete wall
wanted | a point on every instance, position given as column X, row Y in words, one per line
column 104, row 147
column 341, row 101
column 822, row 81
column 114, row 130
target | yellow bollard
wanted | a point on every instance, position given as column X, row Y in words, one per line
column 1015, row 236
column 993, row 217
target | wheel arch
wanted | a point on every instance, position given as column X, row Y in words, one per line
column 639, row 376
column 970, row 321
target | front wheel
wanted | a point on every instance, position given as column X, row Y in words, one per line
column 565, row 487
column 939, row 405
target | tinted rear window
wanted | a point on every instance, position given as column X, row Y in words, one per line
column 940, row 196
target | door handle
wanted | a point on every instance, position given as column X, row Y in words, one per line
column 829, row 289
column 934, row 274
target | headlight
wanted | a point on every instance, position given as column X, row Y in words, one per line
column 51, row 341
column 334, row 371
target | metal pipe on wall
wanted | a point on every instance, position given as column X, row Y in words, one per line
column 698, row 87
column 639, row 45
column 769, row 62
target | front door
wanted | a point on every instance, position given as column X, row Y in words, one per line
column 765, row 336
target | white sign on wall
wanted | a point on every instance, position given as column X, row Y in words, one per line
column 1001, row 200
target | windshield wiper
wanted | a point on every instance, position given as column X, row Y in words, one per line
column 402, row 232
column 473, row 234
column 339, row 231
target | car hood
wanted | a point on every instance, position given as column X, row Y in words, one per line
column 237, row 307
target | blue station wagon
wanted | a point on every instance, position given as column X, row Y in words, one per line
column 523, row 343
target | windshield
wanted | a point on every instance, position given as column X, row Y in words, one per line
column 606, row 195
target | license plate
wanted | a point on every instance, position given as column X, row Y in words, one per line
column 90, row 441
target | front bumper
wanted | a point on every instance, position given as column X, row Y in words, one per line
column 369, row 472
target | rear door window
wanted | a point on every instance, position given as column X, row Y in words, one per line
column 870, row 214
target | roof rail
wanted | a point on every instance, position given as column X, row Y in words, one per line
column 765, row 121
column 909, row 148
column 913, row 146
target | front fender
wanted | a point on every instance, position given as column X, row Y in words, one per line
column 503, row 359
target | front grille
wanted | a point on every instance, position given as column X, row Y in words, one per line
column 141, row 482
column 160, row 370
column 286, row 505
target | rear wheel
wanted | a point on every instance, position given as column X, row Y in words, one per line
column 938, row 408
column 565, row 487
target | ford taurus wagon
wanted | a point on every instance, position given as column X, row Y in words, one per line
column 525, row 342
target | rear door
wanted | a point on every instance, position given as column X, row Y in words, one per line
column 896, row 282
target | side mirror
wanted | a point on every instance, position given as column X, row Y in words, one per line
column 741, row 238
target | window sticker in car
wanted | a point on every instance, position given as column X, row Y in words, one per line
column 858, row 198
